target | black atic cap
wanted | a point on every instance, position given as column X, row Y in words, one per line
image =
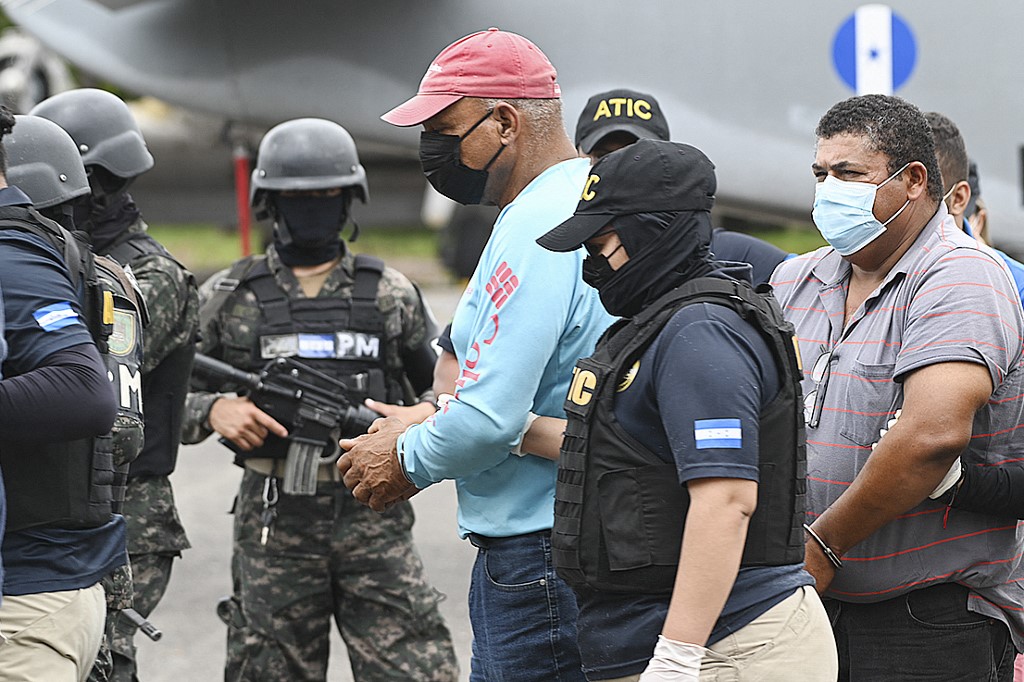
column 628, row 111
column 649, row 176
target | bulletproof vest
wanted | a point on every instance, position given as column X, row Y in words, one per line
column 619, row 508
column 166, row 385
column 79, row 484
column 122, row 355
column 342, row 337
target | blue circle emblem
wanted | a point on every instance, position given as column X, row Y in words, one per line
column 874, row 50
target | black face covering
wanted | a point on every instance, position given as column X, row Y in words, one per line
column 440, row 156
column 104, row 219
column 105, row 184
column 669, row 248
column 597, row 269
column 308, row 228
column 62, row 214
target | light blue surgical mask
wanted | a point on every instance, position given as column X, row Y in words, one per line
column 844, row 213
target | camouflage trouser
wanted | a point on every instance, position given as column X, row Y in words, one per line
column 155, row 538
column 327, row 555
column 117, row 589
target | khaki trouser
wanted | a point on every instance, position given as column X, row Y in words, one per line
column 791, row 642
column 52, row 636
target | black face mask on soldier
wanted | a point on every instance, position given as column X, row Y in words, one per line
column 665, row 250
column 309, row 227
column 441, row 158
column 597, row 270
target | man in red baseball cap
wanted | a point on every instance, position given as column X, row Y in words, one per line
column 493, row 133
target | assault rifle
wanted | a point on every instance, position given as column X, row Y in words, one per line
column 139, row 621
column 313, row 406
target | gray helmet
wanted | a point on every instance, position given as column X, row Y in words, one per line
column 43, row 162
column 103, row 128
column 306, row 154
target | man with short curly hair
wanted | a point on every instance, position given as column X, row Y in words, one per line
column 904, row 315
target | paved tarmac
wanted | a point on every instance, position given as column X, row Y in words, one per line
column 205, row 482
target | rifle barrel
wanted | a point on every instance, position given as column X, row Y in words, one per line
column 215, row 368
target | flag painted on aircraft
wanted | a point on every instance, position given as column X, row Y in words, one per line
column 874, row 51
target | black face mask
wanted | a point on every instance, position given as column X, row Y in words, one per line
column 440, row 156
column 104, row 220
column 308, row 228
column 62, row 214
column 672, row 249
column 597, row 270
column 103, row 184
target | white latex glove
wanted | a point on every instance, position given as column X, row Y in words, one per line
column 518, row 449
column 674, row 662
column 891, row 423
column 952, row 476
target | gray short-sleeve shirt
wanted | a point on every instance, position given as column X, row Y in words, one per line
column 946, row 300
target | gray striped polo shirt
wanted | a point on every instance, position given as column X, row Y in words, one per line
column 946, row 300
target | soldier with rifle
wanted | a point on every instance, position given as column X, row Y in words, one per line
column 324, row 329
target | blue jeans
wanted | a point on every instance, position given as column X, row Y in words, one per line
column 523, row 615
column 927, row 634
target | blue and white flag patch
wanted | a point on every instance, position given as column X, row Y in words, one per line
column 717, row 433
column 55, row 316
column 316, row 345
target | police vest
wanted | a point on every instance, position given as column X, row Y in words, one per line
column 79, row 484
column 122, row 355
column 619, row 508
column 342, row 337
column 166, row 385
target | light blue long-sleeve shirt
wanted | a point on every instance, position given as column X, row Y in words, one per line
column 523, row 322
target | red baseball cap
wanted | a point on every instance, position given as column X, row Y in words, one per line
column 492, row 64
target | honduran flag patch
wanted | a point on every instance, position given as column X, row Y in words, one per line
column 717, row 433
column 55, row 316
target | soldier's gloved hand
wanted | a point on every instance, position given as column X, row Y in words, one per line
column 242, row 423
column 410, row 414
column 673, row 662
column 518, row 449
column 951, row 478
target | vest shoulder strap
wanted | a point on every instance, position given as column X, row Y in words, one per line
column 127, row 285
column 729, row 292
column 28, row 219
column 273, row 301
column 223, row 289
column 132, row 245
column 368, row 271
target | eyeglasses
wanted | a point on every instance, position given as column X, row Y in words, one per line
column 815, row 400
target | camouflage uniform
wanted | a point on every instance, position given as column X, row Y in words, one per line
column 326, row 555
column 126, row 441
column 155, row 533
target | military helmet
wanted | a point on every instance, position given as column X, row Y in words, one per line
column 43, row 162
column 102, row 127
column 306, row 154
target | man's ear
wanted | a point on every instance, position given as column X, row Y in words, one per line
column 960, row 197
column 916, row 179
column 509, row 121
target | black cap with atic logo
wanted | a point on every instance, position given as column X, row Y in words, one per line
column 628, row 111
column 646, row 177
